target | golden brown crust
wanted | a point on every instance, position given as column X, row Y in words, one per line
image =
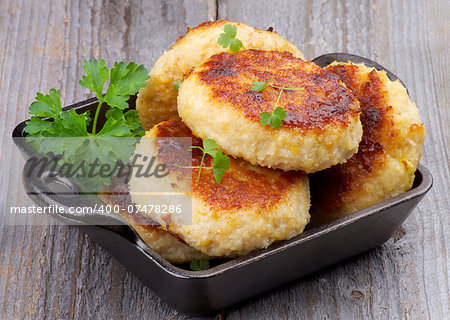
column 323, row 101
column 241, row 186
column 375, row 118
column 334, row 189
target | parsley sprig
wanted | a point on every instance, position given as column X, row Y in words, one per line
column 275, row 118
column 176, row 84
column 64, row 124
column 228, row 38
column 199, row 264
column 49, row 121
column 261, row 85
column 221, row 162
column 125, row 80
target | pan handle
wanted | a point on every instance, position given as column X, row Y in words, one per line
column 48, row 188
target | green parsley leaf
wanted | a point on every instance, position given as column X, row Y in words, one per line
column 48, row 105
column 133, row 122
column 274, row 119
column 176, row 84
column 114, row 128
column 221, row 162
column 114, row 99
column 36, row 126
column 125, row 81
column 96, row 75
column 210, row 147
column 221, row 165
column 230, row 30
column 90, row 147
column 228, row 38
column 64, row 124
column 106, row 151
column 119, row 124
column 74, row 124
column 259, row 85
column 235, row 45
column 198, row 265
column 265, row 118
column 279, row 113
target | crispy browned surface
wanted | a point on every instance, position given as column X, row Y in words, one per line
column 331, row 186
column 322, row 101
column 241, row 186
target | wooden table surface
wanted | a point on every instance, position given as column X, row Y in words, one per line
column 59, row 273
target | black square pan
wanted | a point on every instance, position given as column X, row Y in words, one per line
column 202, row 292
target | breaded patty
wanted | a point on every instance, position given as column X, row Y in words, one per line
column 165, row 244
column 158, row 100
column 388, row 154
column 322, row 127
column 251, row 207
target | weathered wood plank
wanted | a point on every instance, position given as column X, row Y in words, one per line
column 407, row 277
column 59, row 273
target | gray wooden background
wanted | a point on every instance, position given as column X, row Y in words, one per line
column 58, row 273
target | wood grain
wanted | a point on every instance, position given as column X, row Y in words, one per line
column 58, row 273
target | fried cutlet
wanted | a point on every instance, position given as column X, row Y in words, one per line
column 249, row 209
column 322, row 126
column 388, row 154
